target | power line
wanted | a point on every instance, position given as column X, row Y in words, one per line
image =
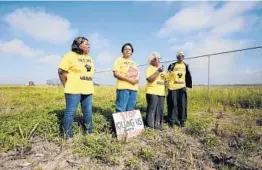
column 200, row 56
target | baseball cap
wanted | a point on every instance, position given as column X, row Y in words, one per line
column 180, row 53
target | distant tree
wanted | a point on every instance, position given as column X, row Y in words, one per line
column 96, row 84
column 53, row 82
column 31, row 83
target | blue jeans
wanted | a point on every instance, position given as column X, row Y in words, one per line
column 125, row 100
column 72, row 101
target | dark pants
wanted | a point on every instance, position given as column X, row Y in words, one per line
column 155, row 110
column 177, row 105
column 72, row 101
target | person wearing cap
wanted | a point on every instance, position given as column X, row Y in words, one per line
column 155, row 91
column 179, row 78
column 76, row 70
column 126, row 72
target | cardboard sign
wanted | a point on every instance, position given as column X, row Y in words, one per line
column 132, row 72
column 128, row 124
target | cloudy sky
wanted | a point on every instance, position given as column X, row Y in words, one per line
column 35, row 35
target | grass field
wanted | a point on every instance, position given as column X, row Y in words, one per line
column 223, row 131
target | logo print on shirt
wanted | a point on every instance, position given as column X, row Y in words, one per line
column 128, row 63
column 179, row 75
column 88, row 67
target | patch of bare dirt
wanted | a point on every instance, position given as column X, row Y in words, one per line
column 41, row 155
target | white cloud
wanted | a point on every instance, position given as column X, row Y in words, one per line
column 103, row 60
column 50, row 59
column 220, row 63
column 186, row 20
column 204, row 29
column 187, row 46
column 104, row 57
column 102, row 47
column 41, row 25
column 172, row 40
column 207, row 16
column 98, row 42
column 221, row 66
column 18, row 48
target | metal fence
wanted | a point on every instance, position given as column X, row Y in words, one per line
column 235, row 67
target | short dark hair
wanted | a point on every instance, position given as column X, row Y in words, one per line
column 128, row 45
column 76, row 43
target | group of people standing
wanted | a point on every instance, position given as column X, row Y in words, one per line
column 76, row 71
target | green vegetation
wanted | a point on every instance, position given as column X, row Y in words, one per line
column 221, row 132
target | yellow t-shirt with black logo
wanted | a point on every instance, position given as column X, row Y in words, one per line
column 156, row 87
column 176, row 78
column 79, row 79
column 126, row 67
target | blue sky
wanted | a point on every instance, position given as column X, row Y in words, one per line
column 35, row 35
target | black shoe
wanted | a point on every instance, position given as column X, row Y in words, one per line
column 182, row 124
column 171, row 124
column 160, row 128
column 177, row 123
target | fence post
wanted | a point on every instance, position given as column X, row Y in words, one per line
column 208, row 83
column 208, row 74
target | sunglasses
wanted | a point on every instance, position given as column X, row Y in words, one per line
column 156, row 59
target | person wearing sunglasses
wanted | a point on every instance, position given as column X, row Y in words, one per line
column 155, row 92
column 179, row 78
column 76, row 70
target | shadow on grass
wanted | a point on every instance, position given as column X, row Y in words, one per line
column 108, row 115
column 105, row 113
column 60, row 114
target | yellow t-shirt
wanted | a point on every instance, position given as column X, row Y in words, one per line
column 176, row 78
column 126, row 67
column 79, row 79
column 156, row 87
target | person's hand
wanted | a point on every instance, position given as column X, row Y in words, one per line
column 166, row 84
column 160, row 69
column 132, row 81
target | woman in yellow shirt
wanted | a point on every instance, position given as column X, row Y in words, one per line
column 127, row 74
column 155, row 92
column 76, row 71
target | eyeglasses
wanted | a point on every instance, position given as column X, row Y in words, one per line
column 156, row 59
column 87, row 44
